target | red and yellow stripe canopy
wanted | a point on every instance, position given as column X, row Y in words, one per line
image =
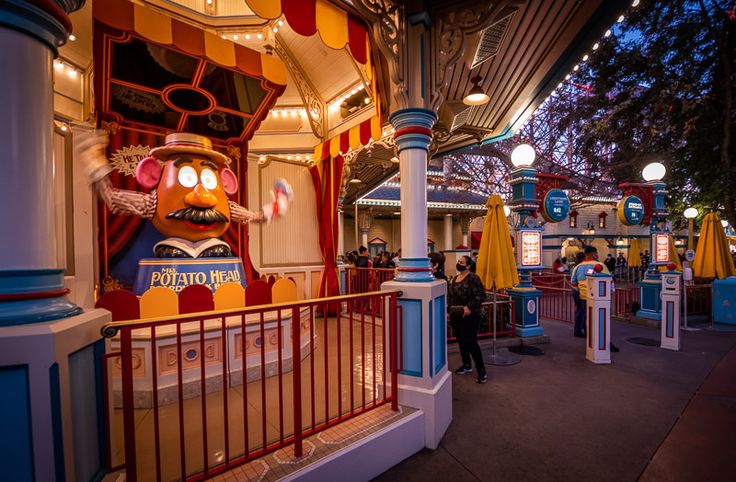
column 161, row 29
column 336, row 27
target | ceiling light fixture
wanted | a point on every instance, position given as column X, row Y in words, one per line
column 476, row 95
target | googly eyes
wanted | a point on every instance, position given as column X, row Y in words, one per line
column 208, row 178
column 188, row 176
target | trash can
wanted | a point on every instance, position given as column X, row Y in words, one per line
column 724, row 300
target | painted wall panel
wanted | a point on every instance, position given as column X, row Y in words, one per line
column 439, row 338
column 85, row 417
column 16, row 453
column 412, row 337
column 293, row 239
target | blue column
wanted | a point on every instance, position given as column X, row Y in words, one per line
column 525, row 296
column 650, row 288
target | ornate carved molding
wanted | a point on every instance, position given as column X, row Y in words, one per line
column 388, row 25
column 452, row 25
column 313, row 102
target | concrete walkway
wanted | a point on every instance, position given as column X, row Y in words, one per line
column 652, row 414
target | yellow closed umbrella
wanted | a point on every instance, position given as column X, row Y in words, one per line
column 712, row 257
column 634, row 252
column 496, row 264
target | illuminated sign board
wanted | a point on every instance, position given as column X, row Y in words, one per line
column 661, row 248
column 531, row 247
column 178, row 273
column 630, row 211
column 555, row 206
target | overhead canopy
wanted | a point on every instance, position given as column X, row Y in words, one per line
column 156, row 71
column 351, row 139
column 336, row 27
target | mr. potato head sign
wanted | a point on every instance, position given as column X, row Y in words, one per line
column 189, row 184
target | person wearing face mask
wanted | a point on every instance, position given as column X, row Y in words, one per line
column 437, row 263
column 580, row 285
column 465, row 295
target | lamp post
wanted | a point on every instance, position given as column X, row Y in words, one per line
column 528, row 241
column 690, row 214
column 659, row 249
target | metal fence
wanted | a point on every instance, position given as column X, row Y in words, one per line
column 282, row 372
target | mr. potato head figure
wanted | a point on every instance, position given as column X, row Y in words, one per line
column 189, row 184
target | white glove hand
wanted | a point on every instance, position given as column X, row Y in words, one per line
column 89, row 147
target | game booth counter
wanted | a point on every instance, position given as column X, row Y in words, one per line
column 217, row 329
column 152, row 79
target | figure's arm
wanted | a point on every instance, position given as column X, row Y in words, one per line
column 240, row 215
column 91, row 148
column 122, row 201
column 281, row 195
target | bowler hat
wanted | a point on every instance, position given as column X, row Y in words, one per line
column 181, row 142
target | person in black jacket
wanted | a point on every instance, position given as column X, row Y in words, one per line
column 466, row 295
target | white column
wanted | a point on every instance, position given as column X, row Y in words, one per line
column 413, row 134
column 598, row 318
column 364, row 237
column 26, row 134
column 33, row 283
column 448, row 232
column 413, row 172
column 671, row 299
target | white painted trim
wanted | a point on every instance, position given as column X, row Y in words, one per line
column 370, row 456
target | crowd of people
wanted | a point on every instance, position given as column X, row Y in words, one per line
column 618, row 266
column 362, row 259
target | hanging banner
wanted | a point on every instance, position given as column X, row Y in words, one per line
column 630, row 211
column 555, row 206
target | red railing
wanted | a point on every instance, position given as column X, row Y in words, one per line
column 555, row 302
column 548, row 279
column 699, row 299
column 193, row 406
column 505, row 319
column 363, row 280
column 625, row 300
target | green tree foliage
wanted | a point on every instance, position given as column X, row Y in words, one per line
column 661, row 87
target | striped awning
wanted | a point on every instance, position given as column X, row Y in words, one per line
column 337, row 28
column 359, row 135
column 161, row 29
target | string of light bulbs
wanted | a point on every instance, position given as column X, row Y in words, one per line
column 587, row 55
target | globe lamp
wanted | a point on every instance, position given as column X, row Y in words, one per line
column 523, row 155
column 690, row 213
column 654, row 172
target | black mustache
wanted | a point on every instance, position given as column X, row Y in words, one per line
column 198, row 215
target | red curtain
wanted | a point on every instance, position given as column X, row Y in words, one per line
column 124, row 153
column 327, row 178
